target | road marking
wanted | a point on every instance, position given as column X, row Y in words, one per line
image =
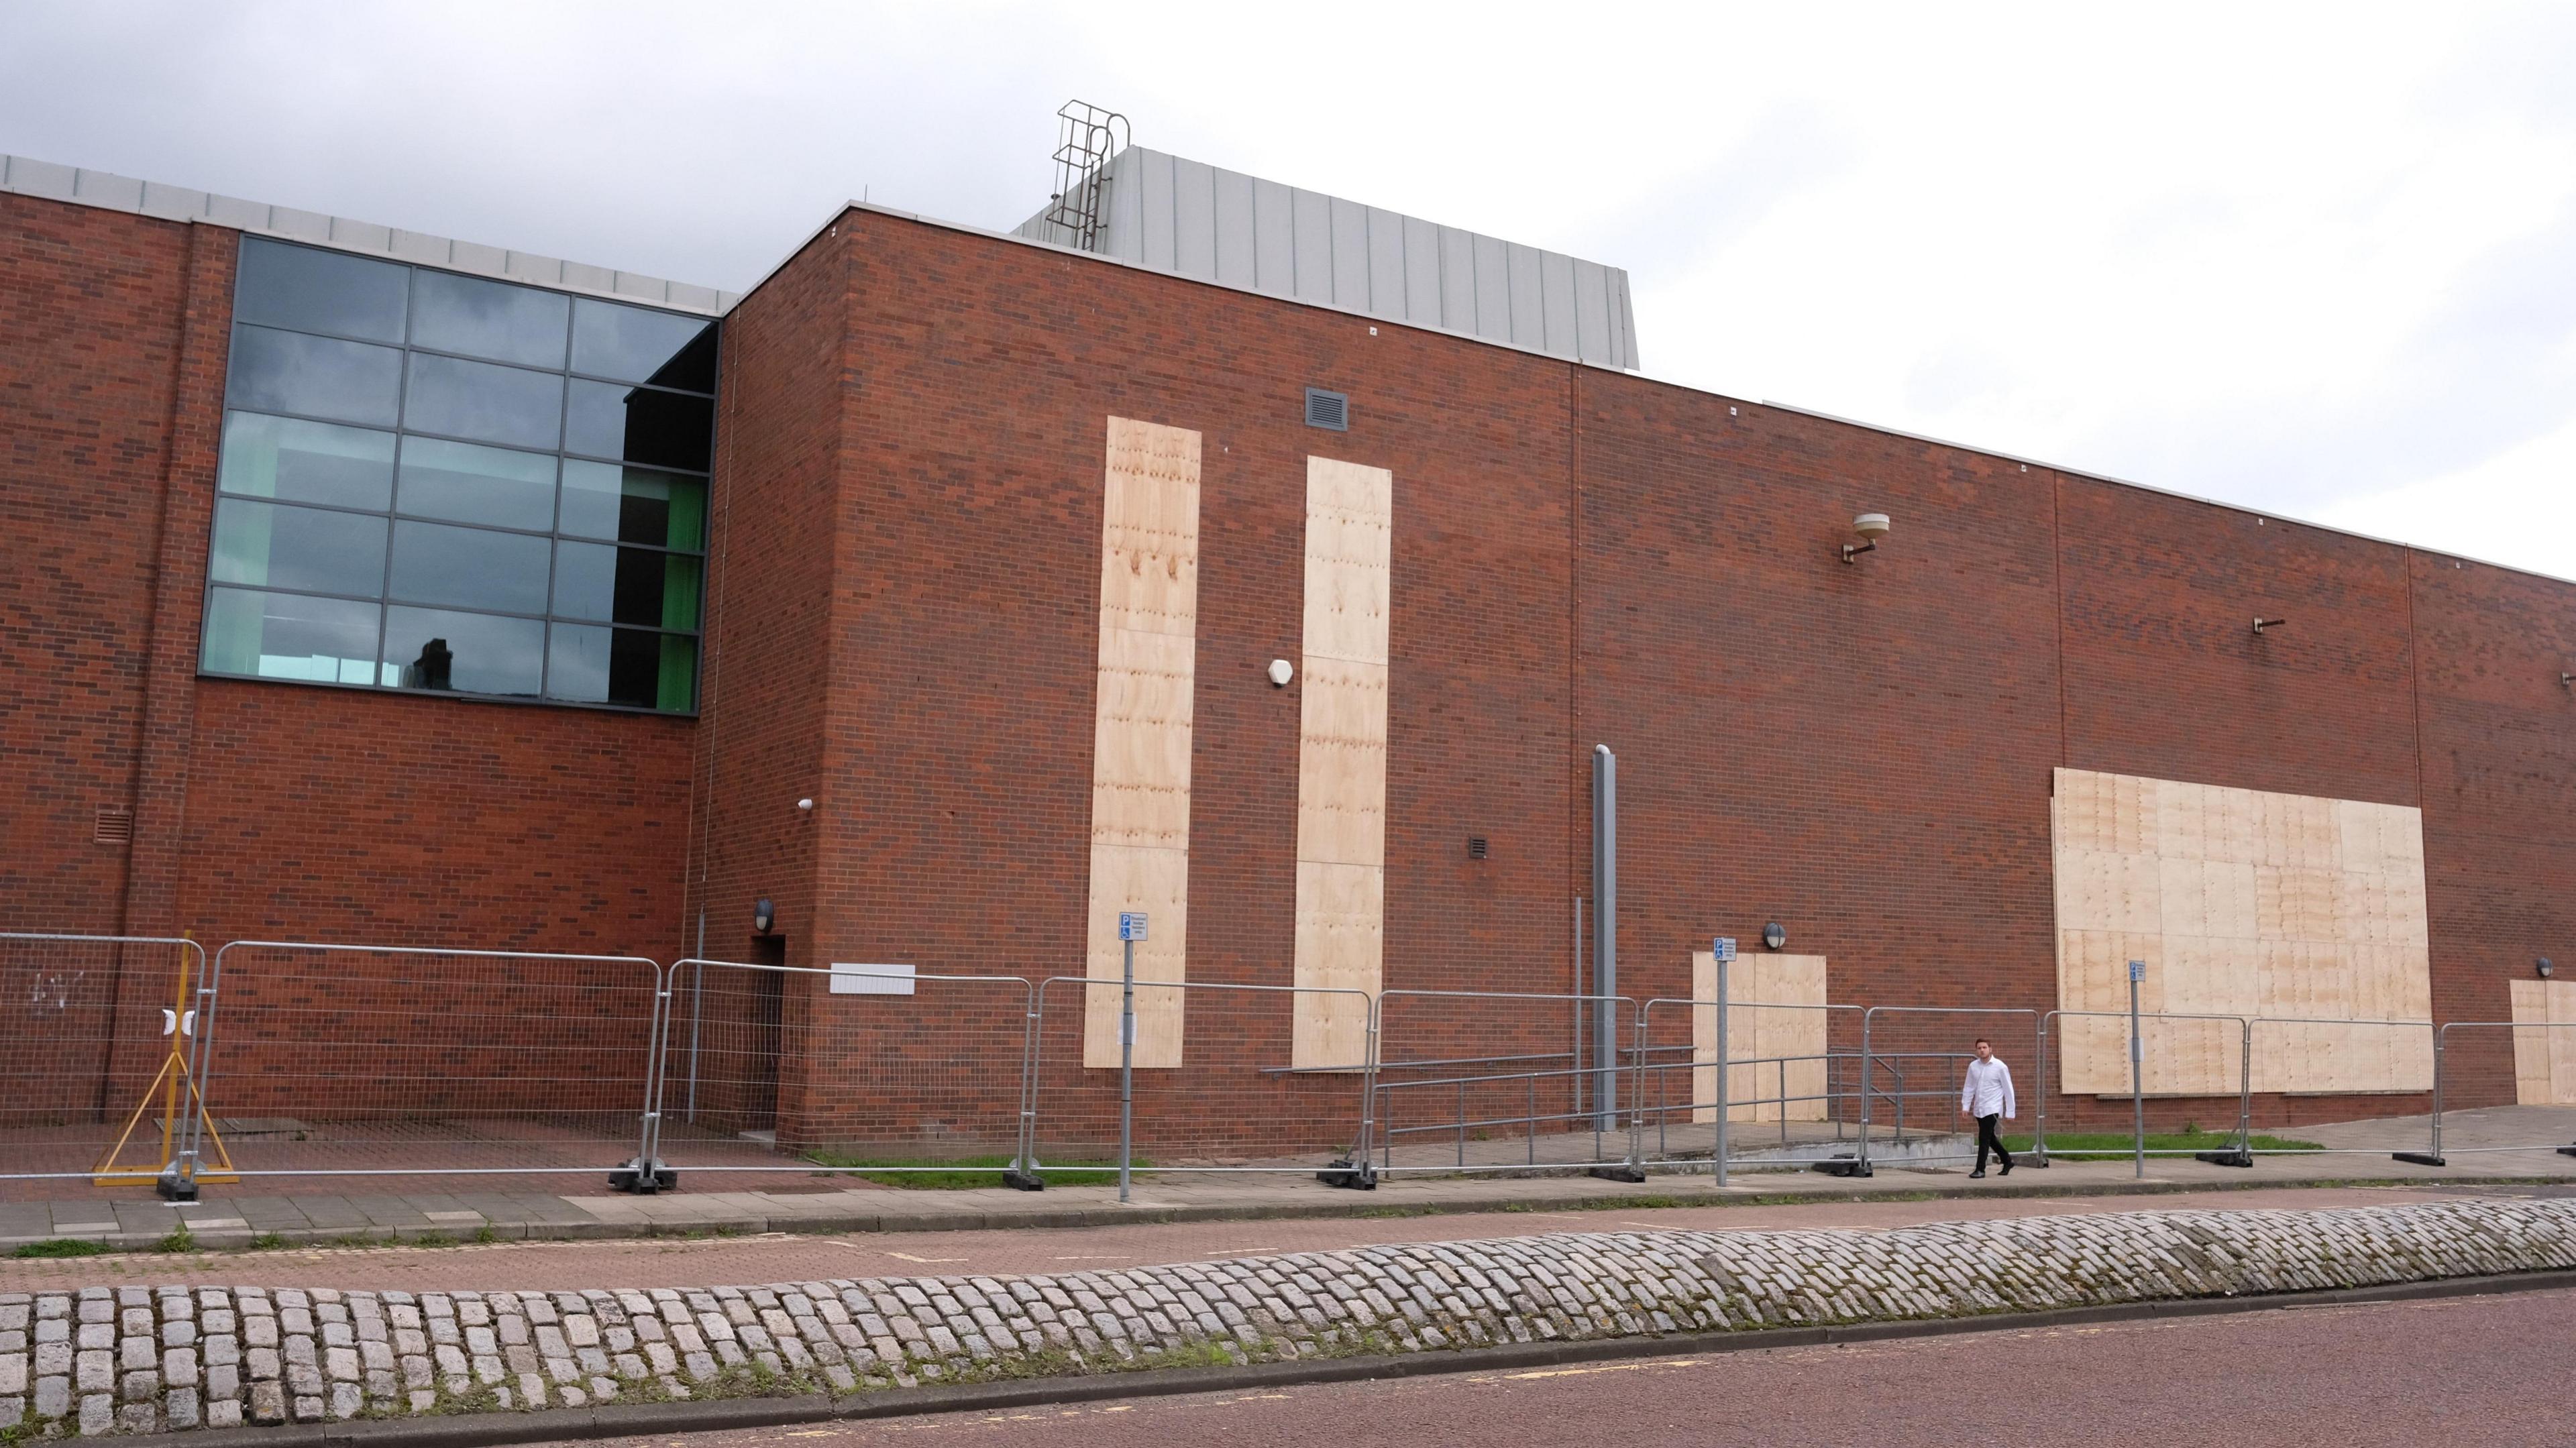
column 1112, row 1257
column 1534, row 1376
column 908, row 1257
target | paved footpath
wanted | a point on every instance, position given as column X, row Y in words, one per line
column 143, row 1359
column 744, row 1203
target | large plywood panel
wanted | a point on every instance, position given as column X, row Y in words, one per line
column 2534, row 1081
column 1778, row 1047
column 1341, row 758
column 2244, row 903
column 1141, row 730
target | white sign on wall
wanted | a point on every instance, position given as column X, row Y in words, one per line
column 871, row 979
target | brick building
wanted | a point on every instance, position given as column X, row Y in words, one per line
column 377, row 588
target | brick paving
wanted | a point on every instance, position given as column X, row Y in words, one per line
column 140, row 1360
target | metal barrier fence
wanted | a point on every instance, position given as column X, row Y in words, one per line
column 1233, row 1099
column 384, row 1061
column 2238, row 1152
column 1941, row 1082
column 795, row 1069
column 94, row 1037
column 374, row 1060
column 2539, row 1061
column 1782, row 1085
column 1488, row 1095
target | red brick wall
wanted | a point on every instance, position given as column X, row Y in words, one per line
column 91, row 305
column 2499, row 750
column 261, row 810
column 1862, row 753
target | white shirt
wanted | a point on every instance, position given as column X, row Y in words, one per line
column 1987, row 1091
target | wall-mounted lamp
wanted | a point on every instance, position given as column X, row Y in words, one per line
column 1281, row 671
column 1871, row 527
column 2567, row 681
column 805, row 805
column 2261, row 623
column 2544, row 967
column 1774, row 936
column 763, row 915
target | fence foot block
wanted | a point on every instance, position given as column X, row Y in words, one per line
column 2420, row 1158
column 1843, row 1166
column 175, row 1188
column 1349, row 1176
column 2235, row 1158
column 1022, row 1181
column 1624, row 1172
column 2567, row 1151
column 642, row 1181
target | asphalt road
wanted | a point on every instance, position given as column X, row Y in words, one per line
column 2463, row 1371
column 804, row 1257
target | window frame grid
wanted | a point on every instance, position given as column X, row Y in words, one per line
column 385, row 601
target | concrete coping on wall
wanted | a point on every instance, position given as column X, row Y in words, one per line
column 80, row 186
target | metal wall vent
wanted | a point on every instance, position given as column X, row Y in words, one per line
column 1328, row 409
column 1475, row 847
column 114, row 827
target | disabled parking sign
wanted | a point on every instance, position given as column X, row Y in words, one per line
column 1131, row 925
column 1723, row 948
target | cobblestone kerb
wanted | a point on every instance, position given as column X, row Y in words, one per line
column 143, row 1360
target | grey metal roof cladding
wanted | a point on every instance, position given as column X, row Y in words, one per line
column 1195, row 220
column 29, row 177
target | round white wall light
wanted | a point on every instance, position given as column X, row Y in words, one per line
column 1281, row 671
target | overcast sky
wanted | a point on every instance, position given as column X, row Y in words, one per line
column 2318, row 261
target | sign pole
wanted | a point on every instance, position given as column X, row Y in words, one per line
column 1724, row 949
column 1131, row 928
column 2137, row 1069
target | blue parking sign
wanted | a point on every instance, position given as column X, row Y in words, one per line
column 1723, row 948
column 2137, row 970
column 1131, row 925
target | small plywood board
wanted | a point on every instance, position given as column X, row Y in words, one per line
column 1775, row 1038
column 1341, row 762
column 1140, row 760
column 2544, row 1042
column 2242, row 903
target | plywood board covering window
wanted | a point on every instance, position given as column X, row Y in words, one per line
column 2544, row 1060
column 1140, row 760
column 1777, row 1050
column 2241, row 903
column 1341, row 760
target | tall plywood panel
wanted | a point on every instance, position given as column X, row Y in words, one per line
column 1777, row 1050
column 1140, row 759
column 2242, row 903
column 1341, row 760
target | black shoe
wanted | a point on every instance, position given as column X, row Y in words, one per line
column 2007, row 1171
column 1972, row 1176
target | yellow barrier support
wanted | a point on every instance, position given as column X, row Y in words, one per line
column 169, row 1083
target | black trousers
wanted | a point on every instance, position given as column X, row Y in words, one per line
column 1986, row 1139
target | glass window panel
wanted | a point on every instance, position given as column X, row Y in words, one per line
column 287, row 636
column 307, row 462
column 468, row 568
column 626, row 585
column 488, row 319
column 471, row 653
column 308, row 548
column 633, row 505
column 639, row 425
column 290, row 372
column 474, row 484
column 636, row 345
column 642, row 670
column 482, row 401
column 312, row 290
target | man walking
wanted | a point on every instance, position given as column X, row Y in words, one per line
column 1987, row 1094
